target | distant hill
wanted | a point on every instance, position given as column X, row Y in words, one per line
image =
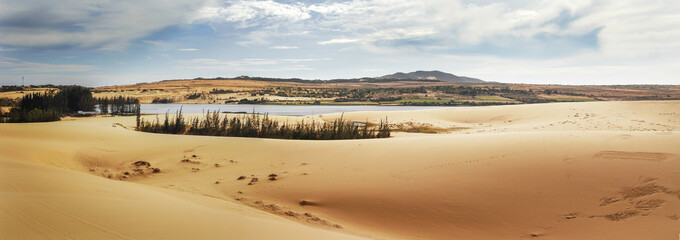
column 432, row 75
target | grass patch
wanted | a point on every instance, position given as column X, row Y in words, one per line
column 412, row 127
column 497, row 98
column 348, row 103
column 493, row 99
column 423, row 100
column 574, row 99
column 320, row 103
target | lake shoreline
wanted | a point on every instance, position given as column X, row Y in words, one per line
column 283, row 110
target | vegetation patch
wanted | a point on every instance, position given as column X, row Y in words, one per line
column 261, row 126
column 194, row 96
column 411, row 127
column 6, row 102
column 221, row 91
column 163, row 100
column 423, row 101
column 494, row 98
column 574, row 99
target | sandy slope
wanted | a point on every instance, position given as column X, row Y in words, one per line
column 608, row 170
column 41, row 202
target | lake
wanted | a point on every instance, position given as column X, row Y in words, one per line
column 283, row 110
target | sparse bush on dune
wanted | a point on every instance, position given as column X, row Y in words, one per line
column 262, row 126
column 176, row 126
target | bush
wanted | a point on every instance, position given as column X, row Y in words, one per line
column 254, row 101
column 220, row 91
column 163, row 100
column 177, row 126
column 194, row 96
column 6, row 102
column 12, row 88
column 38, row 115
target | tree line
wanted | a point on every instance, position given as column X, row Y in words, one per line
column 49, row 106
column 118, row 105
column 316, row 81
column 66, row 100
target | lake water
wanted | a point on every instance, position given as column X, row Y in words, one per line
column 284, row 110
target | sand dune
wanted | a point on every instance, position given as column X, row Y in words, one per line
column 605, row 170
column 591, row 116
column 41, row 202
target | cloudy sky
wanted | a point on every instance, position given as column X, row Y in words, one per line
column 107, row 42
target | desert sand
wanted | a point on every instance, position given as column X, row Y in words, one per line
column 597, row 170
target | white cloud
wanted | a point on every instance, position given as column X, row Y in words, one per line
column 251, row 64
column 188, row 49
column 258, row 37
column 339, row 41
column 583, row 34
column 156, row 43
column 97, row 24
column 19, row 66
column 250, row 13
column 628, row 28
column 284, row 47
column 452, row 24
column 568, row 71
column 88, row 80
column 455, row 24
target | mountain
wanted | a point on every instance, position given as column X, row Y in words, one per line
column 432, row 75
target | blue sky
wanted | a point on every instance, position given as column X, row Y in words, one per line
column 104, row 42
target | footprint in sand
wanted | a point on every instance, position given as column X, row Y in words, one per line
column 649, row 204
column 637, row 207
column 621, row 215
column 640, row 156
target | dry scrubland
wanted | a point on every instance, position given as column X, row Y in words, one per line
column 362, row 92
column 599, row 170
column 181, row 91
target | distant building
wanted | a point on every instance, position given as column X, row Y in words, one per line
column 86, row 113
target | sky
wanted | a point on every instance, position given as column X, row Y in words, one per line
column 116, row 42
